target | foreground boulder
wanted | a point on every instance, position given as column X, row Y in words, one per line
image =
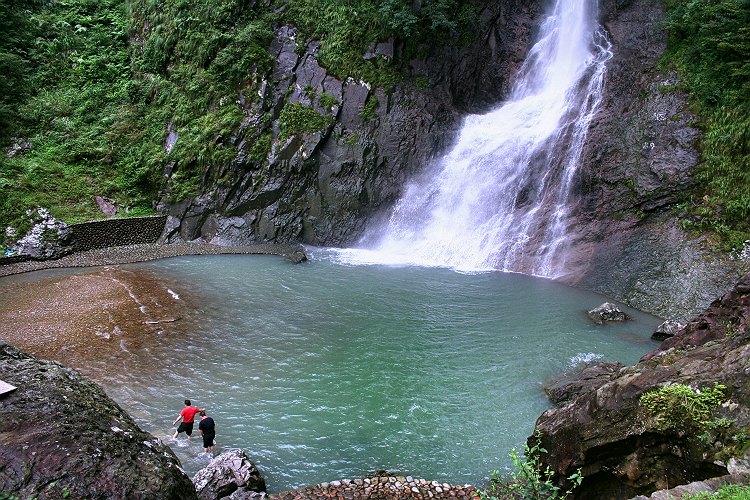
column 62, row 437
column 676, row 417
column 566, row 386
column 230, row 473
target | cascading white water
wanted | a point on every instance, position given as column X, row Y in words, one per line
column 500, row 198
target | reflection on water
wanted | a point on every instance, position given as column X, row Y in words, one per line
column 323, row 371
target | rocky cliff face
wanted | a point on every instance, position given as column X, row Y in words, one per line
column 637, row 165
column 62, row 437
column 324, row 187
column 625, row 444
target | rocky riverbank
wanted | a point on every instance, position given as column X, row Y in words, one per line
column 680, row 415
column 61, row 436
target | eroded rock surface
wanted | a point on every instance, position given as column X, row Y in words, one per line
column 607, row 312
column 62, row 437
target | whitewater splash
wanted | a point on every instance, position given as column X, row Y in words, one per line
column 500, row 198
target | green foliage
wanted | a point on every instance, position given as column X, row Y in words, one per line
column 728, row 492
column 422, row 82
column 327, row 101
column 100, row 82
column 528, row 479
column 297, row 118
column 681, row 408
column 434, row 20
column 77, row 70
column 710, row 46
column 369, row 109
column 346, row 28
column 94, row 85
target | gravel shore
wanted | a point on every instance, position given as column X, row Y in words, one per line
column 145, row 252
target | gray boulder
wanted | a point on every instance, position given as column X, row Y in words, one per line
column 48, row 238
column 607, row 312
column 667, row 329
column 61, row 436
column 230, row 473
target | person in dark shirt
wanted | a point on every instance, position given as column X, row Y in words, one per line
column 207, row 428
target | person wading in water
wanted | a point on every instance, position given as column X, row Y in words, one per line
column 188, row 417
column 207, row 428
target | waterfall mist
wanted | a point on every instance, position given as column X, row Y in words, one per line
column 500, row 199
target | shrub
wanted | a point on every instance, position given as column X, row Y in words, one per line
column 709, row 43
column 681, row 408
column 528, row 479
column 297, row 118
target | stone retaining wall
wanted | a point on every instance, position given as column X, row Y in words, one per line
column 116, row 232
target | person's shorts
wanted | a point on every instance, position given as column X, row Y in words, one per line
column 208, row 440
column 187, row 428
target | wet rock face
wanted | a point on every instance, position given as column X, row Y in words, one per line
column 62, row 437
column 637, row 163
column 727, row 316
column 616, row 441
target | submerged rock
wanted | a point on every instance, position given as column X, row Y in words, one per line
column 62, row 437
column 230, row 473
column 607, row 312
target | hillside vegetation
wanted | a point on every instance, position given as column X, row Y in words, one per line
column 92, row 89
column 710, row 46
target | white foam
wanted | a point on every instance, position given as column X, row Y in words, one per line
column 584, row 358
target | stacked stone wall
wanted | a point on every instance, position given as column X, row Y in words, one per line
column 116, row 232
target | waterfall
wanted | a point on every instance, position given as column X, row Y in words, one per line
column 501, row 198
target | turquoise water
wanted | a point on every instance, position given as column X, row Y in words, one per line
column 322, row 371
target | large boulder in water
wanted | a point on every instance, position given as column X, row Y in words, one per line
column 61, row 436
column 607, row 312
column 230, row 473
